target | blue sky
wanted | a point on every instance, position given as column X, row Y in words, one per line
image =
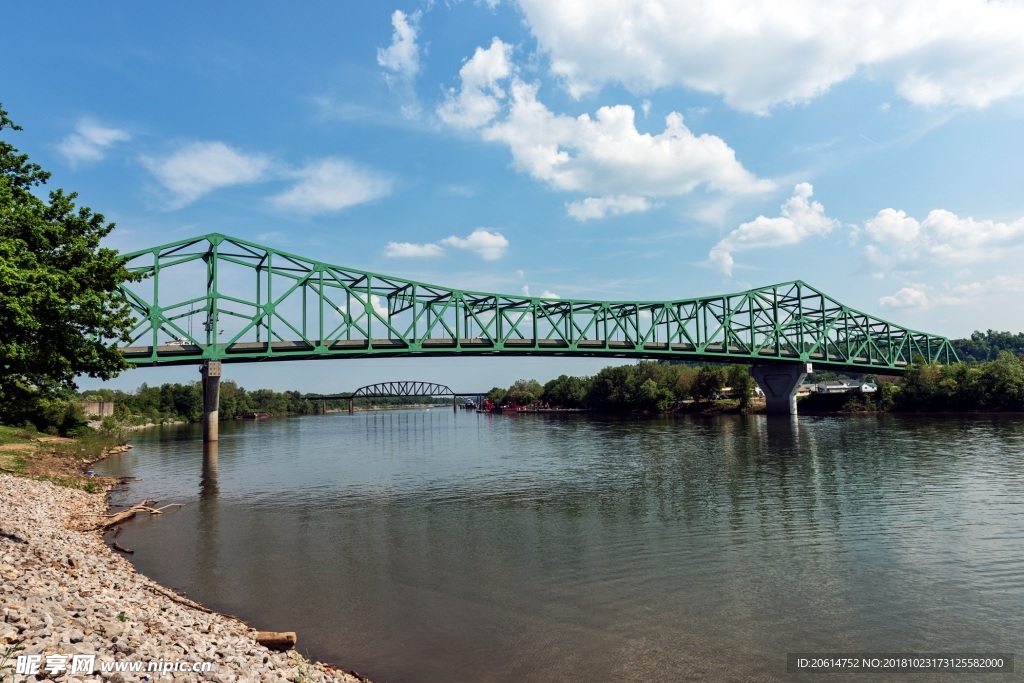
column 629, row 149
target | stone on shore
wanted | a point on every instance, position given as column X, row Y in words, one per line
column 63, row 592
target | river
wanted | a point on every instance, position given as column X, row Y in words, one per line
column 420, row 545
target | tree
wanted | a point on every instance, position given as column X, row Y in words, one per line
column 741, row 383
column 608, row 389
column 565, row 391
column 61, row 313
column 497, row 396
column 708, row 383
column 524, row 391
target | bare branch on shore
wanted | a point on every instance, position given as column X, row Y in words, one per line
column 145, row 506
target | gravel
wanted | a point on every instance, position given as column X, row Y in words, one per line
column 64, row 592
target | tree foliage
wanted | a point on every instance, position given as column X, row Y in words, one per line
column 986, row 346
column 709, row 383
column 565, row 391
column 61, row 313
column 741, row 384
column 184, row 402
column 524, row 392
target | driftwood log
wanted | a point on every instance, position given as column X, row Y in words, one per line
column 118, row 517
column 118, row 546
column 274, row 640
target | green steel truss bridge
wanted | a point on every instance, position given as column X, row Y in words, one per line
column 219, row 298
column 393, row 389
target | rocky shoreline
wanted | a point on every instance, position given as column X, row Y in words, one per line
column 66, row 596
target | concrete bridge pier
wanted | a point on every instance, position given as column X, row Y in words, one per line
column 211, row 399
column 780, row 383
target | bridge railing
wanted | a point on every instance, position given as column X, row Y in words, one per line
column 222, row 298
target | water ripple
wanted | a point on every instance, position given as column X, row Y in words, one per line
column 664, row 549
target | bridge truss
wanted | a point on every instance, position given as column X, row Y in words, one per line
column 394, row 389
column 219, row 298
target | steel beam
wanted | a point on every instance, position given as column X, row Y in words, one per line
column 254, row 303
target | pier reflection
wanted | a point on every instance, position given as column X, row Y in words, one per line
column 208, row 487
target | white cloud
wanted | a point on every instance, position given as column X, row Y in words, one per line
column 800, row 218
column 489, row 245
column 599, row 207
column 89, row 142
column 602, row 155
column 201, row 167
column 758, row 55
column 908, row 297
column 1000, row 284
column 946, row 293
column 942, row 238
column 410, row 250
column 549, row 295
column 478, row 100
column 607, row 155
column 401, row 60
column 330, row 185
column 375, row 302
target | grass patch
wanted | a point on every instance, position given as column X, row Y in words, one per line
column 59, row 460
column 17, row 445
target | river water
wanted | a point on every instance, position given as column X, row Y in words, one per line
column 422, row 546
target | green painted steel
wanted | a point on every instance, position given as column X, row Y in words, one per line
column 221, row 298
column 395, row 389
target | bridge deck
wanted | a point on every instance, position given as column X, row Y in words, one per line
column 172, row 354
column 242, row 293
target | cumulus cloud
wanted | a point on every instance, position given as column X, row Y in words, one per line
column 403, row 56
column 599, row 207
column 89, row 142
column 1000, row 284
column 410, row 250
column 401, row 60
column 603, row 155
column 758, row 55
column 949, row 293
column 478, row 100
column 549, row 295
column 201, row 167
column 489, row 245
column 799, row 218
column 607, row 155
column 375, row 303
column 942, row 238
column 908, row 297
column 331, row 185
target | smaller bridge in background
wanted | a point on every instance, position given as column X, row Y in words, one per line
column 394, row 390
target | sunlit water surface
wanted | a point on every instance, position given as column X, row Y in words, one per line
column 422, row 546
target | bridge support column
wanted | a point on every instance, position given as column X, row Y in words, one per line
column 455, row 404
column 780, row 384
column 351, row 406
column 211, row 399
